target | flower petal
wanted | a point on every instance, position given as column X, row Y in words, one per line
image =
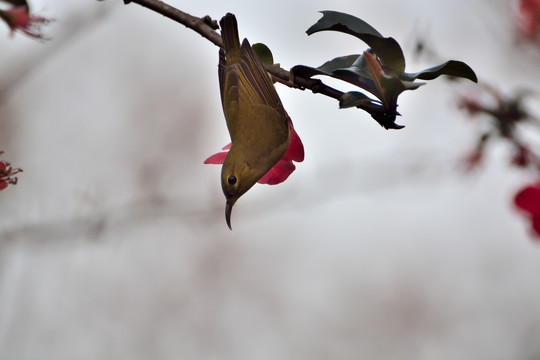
column 278, row 174
column 536, row 226
column 296, row 148
column 218, row 158
column 19, row 18
column 528, row 200
column 528, row 18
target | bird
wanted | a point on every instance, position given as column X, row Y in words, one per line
column 256, row 119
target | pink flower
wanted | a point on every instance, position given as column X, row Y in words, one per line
column 528, row 200
column 19, row 18
column 281, row 171
column 529, row 18
column 7, row 174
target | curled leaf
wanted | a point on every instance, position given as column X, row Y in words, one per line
column 354, row 99
column 327, row 68
column 452, row 68
column 380, row 70
column 263, row 52
column 386, row 48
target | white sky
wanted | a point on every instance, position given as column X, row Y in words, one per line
column 114, row 243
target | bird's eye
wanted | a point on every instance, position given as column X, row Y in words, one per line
column 232, row 180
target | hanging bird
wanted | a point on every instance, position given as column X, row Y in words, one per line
column 256, row 119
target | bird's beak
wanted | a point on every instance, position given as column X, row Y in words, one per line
column 228, row 211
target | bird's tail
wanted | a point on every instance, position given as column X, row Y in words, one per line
column 231, row 39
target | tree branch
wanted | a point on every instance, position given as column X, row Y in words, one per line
column 199, row 25
column 206, row 28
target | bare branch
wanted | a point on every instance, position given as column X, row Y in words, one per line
column 199, row 25
column 205, row 27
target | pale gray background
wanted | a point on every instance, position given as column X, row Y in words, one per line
column 114, row 244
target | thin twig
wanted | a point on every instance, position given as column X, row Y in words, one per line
column 199, row 25
column 202, row 27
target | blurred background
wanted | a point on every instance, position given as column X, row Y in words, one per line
column 114, row 244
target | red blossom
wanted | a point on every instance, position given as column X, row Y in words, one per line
column 20, row 19
column 281, row 171
column 7, row 174
column 529, row 18
column 528, row 200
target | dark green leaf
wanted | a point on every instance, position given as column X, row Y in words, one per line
column 386, row 49
column 331, row 19
column 351, row 69
column 452, row 68
column 358, row 68
column 384, row 117
column 393, row 87
column 354, row 70
column 263, row 52
column 354, row 99
column 338, row 63
column 327, row 68
column 361, row 80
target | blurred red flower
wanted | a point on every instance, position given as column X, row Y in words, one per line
column 528, row 200
column 7, row 174
column 19, row 19
column 529, row 18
